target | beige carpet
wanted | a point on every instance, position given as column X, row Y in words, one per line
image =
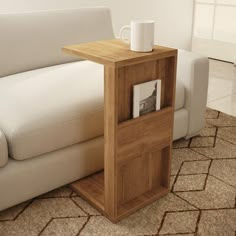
column 201, row 202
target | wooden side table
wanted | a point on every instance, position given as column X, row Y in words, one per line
column 137, row 152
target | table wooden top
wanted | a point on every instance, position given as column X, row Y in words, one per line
column 115, row 53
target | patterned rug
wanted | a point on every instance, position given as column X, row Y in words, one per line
column 201, row 202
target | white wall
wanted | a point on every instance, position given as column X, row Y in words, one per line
column 173, row 17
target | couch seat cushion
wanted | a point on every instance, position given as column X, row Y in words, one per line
column 51, row 108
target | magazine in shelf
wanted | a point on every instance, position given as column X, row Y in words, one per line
column 146, row 98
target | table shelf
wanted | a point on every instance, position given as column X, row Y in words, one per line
column 92, row 188
column 151, row 115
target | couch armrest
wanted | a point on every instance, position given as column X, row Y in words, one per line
column 3, row 150
column 193, row 71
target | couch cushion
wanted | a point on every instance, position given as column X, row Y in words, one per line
column 3, row 150
column 54, row 107
column 179, row 95
column 34, row 40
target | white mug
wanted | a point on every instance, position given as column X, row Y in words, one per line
column 142, row 35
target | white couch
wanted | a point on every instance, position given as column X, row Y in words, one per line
column 51, row 105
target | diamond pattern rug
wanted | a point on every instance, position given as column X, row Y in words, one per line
column 202, row 200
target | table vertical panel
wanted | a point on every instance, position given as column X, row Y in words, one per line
column 170, row 81
column 110, row 139
column 161, row 68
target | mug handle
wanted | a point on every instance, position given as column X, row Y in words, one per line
column 125, row 40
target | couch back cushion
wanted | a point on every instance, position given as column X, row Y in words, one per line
column 34, row 40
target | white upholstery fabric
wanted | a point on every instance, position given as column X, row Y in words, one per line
column 60, row 106
column 179, row 95
column 193, row 71
column 34, row 40
column 55, row 107
column 3, row 150
column 23, row 180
